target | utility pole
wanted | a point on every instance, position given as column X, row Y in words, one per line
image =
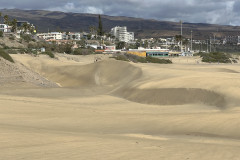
column 214, row 43
column 191, row 40
column 210, row 45
column 207, row 45
column 200, row 46
column 181, row 36
column 166, row 43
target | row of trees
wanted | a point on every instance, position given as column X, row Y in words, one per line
column 97, row 31
column 25, row 26
column 9, row 22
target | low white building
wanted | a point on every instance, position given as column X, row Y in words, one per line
column 5, row 28
column 51, row 36
column 121, row 34
column 110, row 48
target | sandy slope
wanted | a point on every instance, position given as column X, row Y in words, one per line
column 16, row 74
column 117, row 110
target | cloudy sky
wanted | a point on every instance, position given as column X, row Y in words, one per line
column 196, row 11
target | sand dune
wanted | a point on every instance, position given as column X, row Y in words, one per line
column 120, row 110
column 104, row 73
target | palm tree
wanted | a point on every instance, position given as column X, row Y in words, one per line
column 14, row 25
column 25, row 27
column 93, row 31
column 6, row 19
column 178, row 38
column 185, row 43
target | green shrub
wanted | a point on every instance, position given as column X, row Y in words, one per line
column 31, row 45
column 5, row 47
column 35, row 52
column 63, row 48
column 156, row 60
column 137, row 59
column 26, row 37
column 81, row 51
column 121, row 58
column 22, row 51
column 215, row 57
column 50, row 54
column 5, row 55
column 11, row 38
column 234, row 61
column 20, row 40
column 11, row 51
column 1, row 33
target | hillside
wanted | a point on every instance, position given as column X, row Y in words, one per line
column 143, row 28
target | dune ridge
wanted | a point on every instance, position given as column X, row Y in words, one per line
column 117, row 78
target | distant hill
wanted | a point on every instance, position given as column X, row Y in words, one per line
column 143, row 28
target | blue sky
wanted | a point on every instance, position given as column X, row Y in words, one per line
column 196, row 11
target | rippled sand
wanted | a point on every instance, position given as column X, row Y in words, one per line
column 120, row 110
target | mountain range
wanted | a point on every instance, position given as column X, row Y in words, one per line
column 143, row 28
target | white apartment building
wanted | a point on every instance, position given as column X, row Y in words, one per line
column 71, row 36
column 121, row 34
column 50, row 36
column 5, row 28
column 131, row 36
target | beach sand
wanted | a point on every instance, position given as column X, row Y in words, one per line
column 119, row 110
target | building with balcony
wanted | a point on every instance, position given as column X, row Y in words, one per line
column 5, row 28
column 232, row 40
column 71, row 36
column 50, row 36
column 122, row 35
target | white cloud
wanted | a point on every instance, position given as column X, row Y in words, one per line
column 200, row 11
column 71, row 7
column 93, row 10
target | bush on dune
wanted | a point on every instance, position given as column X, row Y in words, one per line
column 215, row 57
column 83, row 51
column 121, row 58
column 50, row 54
column 5, row 55
column 137, row 59
column 156, row 60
